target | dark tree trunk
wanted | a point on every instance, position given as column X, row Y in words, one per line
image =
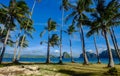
column 48, row 50
column 83, row 45
column 115, row 40
column 71, row 50
column 111, row 62
column 98, row 57
column 115, row 46
column 4, row 45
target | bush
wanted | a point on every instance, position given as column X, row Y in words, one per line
column 112, row 71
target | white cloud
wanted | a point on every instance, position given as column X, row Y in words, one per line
column 56, row 51
column 91, row 51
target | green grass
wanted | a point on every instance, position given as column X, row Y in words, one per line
column 73, row 69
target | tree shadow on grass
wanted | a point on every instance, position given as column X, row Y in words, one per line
column 73, row 73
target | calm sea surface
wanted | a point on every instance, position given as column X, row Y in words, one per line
column 56, row 60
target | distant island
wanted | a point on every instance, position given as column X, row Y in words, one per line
column 103, row 54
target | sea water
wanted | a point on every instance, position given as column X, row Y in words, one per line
column 65, row 60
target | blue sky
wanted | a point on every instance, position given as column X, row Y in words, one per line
column 51, row 9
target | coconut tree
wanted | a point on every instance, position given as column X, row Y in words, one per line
column 79, row 17
column 114, row 43
column 28, row 28
column 51, row 27
column 64, row 6
column 13, row 12
column 70, row 31
column 104, row 18
column 24, row 43
column 115, row 40
column 98, row 57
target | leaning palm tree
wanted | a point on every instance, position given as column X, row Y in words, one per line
column 79, row 17
column 114, row 43
column 28, row 29
column 51, row 27
column 70, row 31
column 24, row 44
column 13, row 12
column 104, row 18
column 115, row 40
column 27, row 32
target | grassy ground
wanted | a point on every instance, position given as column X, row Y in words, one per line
column 73, row 69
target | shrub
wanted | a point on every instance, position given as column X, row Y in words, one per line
column 112, row 71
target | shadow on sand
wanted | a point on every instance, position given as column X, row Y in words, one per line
column 73, row 73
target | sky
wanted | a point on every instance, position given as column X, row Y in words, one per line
column 46, row 9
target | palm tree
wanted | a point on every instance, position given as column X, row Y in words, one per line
column 51, row 27
column 79, row 17
column 27, row 31
column 112, row 30
column 98, row 57
column 114, row 43
column 24, row 43
column 70, row 31
column 28, row 28
column 105, row 17
column 13, row 13
column 16, row 46
column 64, row 6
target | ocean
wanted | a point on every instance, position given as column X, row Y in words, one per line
column 65, row 60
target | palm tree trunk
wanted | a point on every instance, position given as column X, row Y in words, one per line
column 61, row 36
column 2, row 30
column 71, row 50
column 48, row 49
column 33, row 8
column 4, row 45
column 15, row 50
column 115, row 46
column 98, row 57
column 21, row 46
column 111, row 62
column 83, row 45
column 115, row 40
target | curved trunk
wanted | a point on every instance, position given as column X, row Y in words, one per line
column 71, row 50
column 2, row 30
column 111, row 62
column 61, row 37
column 98, row 57
column 83, row 45
column 48, row 49
column 21, row 46
column 115, row 40
column 115, row 46
column 15, row 50
column 4, row 45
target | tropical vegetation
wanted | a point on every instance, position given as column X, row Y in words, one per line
column 100, row 16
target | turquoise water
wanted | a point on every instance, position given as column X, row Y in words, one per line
column 56, row 60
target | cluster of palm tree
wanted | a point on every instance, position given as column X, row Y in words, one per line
column 15, row 17
column 103, row 18
column 53, row 39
